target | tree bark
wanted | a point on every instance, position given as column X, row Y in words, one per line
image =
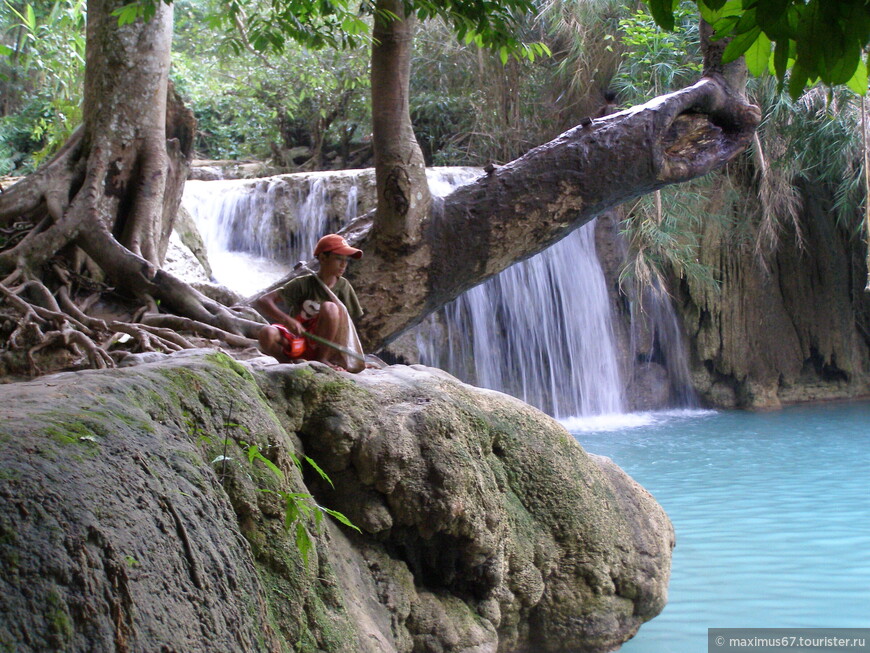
column 521, row 208
column 403, row 193
column 114, row 189
column 124, row 170
column 734, row 73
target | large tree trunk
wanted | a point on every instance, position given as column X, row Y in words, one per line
column 519, row 209
column 403, row 194
column 122, row 173
column 111, row 193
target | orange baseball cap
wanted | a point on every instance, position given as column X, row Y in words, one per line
column 333, row 243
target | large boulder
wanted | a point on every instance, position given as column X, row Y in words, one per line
column 147, row 509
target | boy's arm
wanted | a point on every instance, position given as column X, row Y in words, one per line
column 351, row 302
column 268, row 306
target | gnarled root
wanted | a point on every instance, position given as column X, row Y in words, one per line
column 48, row 331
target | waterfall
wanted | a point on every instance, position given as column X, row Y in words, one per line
column 541, row 330
column 668, row 346
column 255, row 230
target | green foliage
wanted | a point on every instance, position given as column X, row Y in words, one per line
column 18, row 140
column 438, row 119
column 316, row 24
column 41, row 73
column 582, row 36
column 816, row 141
column 656, row 61
column 491, row 25
column 811, row 40
column 662, row 231
column 299, row 507
column 460, row 121
column 250, row 104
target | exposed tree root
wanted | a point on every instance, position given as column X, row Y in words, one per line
column 46, row 331
column 186, row 324
column 54, row 254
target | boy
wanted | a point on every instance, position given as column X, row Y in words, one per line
column 310, row 308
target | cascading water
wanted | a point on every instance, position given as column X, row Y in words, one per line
column 541, row 330
column 250, row 243
column 668, row 347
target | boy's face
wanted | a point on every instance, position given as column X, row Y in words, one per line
column 332, row 264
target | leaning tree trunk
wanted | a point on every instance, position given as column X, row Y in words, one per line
column 519, row 209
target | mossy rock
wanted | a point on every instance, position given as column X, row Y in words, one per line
column 152, row 504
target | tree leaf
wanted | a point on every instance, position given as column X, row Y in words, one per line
column 842, row 66
column 126, row 14
column 303, row 541
column 746, row 23
column 340, row 517
column 858, row 82
column 769, row 13
column 725, row 9
column 782, row 59
column 30, row 18
column 757, row 55
column 740, row 44
column 798, row 80
column 317, row 469
column 272, row 467
column 716, row 4
column 663, row 12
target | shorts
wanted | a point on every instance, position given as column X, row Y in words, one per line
column 297, row 346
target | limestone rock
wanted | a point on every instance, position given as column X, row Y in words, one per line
column 144, row 509
column 788, row 329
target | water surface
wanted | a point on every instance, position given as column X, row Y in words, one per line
column 771, row 513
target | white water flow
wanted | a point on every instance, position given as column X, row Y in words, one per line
column 541, row 330
column 249, row 244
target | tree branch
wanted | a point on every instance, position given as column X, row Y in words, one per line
column 529, row 204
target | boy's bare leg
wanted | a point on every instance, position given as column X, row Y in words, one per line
column 272, row 343
column 328, row 324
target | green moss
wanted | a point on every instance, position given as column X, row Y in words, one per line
column 58, row 617
column 85, row 436
column 104, row 417
column 9, row 474
column 182, row 379
column 6, row 643
column 303, row 372
column 59, row 434
column 303, row 602
column 9, row 549
column 228, row 362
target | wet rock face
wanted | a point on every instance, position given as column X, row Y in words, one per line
column 792, row 328
column 133, row 515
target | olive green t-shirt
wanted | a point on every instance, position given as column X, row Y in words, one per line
column 305, row 294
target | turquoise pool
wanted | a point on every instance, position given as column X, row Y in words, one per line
column 771, row 512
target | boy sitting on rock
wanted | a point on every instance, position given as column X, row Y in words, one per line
column 312, row 303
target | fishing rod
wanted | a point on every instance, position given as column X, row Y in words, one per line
column 329, row 343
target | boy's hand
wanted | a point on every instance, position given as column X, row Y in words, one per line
column 294, row 326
